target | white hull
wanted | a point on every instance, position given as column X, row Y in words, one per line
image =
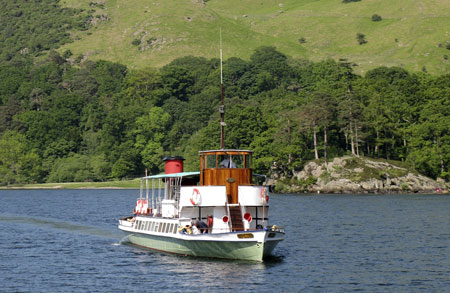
column 244, row 245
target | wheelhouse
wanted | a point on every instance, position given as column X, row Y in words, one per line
column 230, row 168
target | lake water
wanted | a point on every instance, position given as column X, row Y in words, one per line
column 68, row 241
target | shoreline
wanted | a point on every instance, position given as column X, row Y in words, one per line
column 125, row 184
column 80, row 186
column 62, row 188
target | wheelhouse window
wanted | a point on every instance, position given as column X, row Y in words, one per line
column 227, row 160
column 248, row 161
column 210, row 162
column 231, row 161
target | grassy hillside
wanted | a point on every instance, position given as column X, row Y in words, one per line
column 411, row 34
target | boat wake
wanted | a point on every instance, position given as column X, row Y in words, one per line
column 122, row 241
column 61, row 225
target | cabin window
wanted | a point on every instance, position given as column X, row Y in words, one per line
column 231, row 161
column 227, row 161
column 248, row 161
column 156, row 227
column 174, row 229
column 161, row 227
column 138, row 225
column 238, row 161
column 210, row 161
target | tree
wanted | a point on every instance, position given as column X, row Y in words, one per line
column 349, row 113
column 17, row 163
column 150, row 133
column 273, row 62
column 152, row 155
column 109, row 77
column 430, row 139
column 128, row 162
column 327, row 106
column 315, row 113
column 151, row 126
column 7, row 113
column 177, row 81
column 144, row 85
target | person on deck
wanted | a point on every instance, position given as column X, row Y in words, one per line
column 227, row 163
column 195, row 230
column 209, row 223
column 202, row 226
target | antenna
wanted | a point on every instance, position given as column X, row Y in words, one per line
column 222, row 106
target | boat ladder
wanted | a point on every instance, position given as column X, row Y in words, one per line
column 236, row 217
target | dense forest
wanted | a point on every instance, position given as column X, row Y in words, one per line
column 95, row 121
column 31, row 28
column 64, row 118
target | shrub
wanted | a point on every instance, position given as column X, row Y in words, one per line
column 405, row 187
column 67, row 54
column 281, row 186
column 136, row 42
column 361, row 38
column 79, row 58
column 376, row 17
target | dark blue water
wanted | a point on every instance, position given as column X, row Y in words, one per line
column 68, row 241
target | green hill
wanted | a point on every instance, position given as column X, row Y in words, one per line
column 411, row 34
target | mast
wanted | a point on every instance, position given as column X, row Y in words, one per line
column 222, row 106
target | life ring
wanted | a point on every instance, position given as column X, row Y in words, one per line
column 195, row 197
column 248, row 217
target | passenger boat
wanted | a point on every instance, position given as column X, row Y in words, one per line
column 218, row 212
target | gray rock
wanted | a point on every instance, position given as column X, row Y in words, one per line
column 334, row 177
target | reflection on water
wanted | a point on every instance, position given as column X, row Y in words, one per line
column 190, row 271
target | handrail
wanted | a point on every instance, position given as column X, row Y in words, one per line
column 228, row 215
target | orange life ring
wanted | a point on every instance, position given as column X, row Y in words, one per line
column 195, row 197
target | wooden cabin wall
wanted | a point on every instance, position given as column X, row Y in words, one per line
column 231, row 178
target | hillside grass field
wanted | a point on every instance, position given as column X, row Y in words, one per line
column 414, row 35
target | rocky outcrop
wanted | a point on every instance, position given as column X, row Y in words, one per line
column 361, row 175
